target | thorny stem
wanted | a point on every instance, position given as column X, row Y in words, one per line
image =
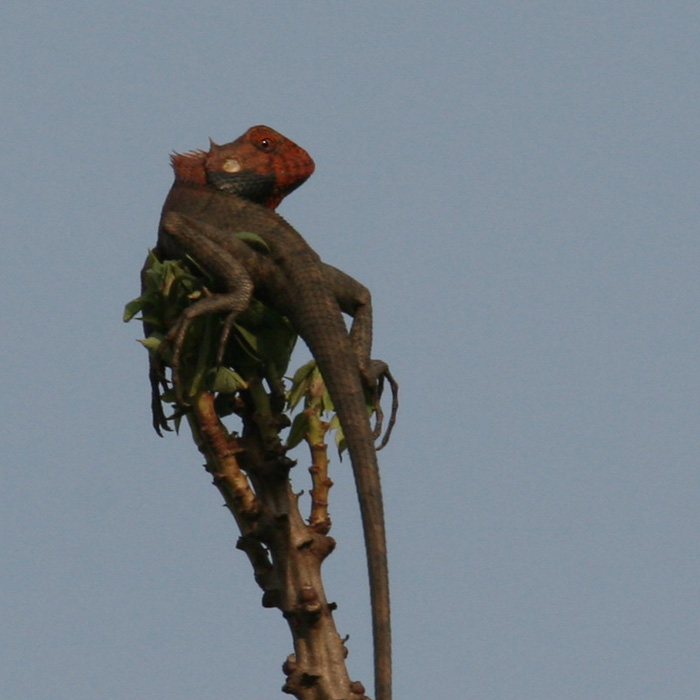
column 316, row 438
column 252, row 475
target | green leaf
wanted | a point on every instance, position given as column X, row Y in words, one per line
column 267, row 337
column 300, row 426
column 339, row 436
column 327, row 401
column 304, row 371
column 250, row 340
column 254, row 240
column 301, row 383
column 132, row 308
column 152, row 319
column 151, row 343
column 226, row 381
column 168, row 396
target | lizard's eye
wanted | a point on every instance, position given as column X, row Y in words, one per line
column 265, row 145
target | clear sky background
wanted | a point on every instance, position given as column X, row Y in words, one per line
column 517, row 182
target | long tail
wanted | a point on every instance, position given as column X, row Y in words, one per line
column 352, row 412
column 318, row 320
column 369, row 493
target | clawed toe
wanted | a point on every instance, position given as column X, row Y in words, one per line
column 374, row 377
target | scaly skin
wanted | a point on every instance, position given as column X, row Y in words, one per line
column 201, row 214
column 262, row 166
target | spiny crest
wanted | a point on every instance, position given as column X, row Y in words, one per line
column 261, row 165
column 189, row 167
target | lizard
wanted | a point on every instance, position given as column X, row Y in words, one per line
column 208, row 204
column 262, row 166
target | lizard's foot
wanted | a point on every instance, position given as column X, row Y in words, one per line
column 374, row 376
column 175, row 339
column 215, row 303
column 226, row 327
column 156, row 376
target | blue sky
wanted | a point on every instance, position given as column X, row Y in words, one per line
column 518, row 185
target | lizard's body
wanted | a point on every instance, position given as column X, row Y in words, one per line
column 201, row 216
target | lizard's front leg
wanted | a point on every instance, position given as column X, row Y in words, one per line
column 202, row 243
column 355, row 300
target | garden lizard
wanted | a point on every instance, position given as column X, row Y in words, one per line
column 262, row 166
column 231, row 189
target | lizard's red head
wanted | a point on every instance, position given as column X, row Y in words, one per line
column 262, row 166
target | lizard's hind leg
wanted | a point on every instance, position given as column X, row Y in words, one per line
column 199, row 241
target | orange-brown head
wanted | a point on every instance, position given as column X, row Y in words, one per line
column 262, row 166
